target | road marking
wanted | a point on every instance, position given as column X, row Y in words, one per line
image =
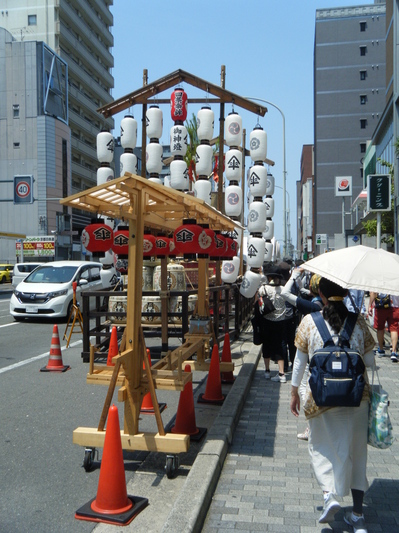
column 11, row 324
column 35, row 358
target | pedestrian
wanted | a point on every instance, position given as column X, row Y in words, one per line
column 385, row 313
column 274, row 331
column 304, row 306
column 338, row 435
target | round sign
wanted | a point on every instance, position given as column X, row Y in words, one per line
column 23, row 189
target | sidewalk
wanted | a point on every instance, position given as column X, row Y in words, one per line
column 267, row 483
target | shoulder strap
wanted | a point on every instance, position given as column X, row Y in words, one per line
column 347, row 329
column 321, row 326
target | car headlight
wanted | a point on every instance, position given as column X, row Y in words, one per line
column 17, row 294
column 55, row 294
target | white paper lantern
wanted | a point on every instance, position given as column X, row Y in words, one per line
column 104, row 174
column 153, row 157
column 268, row 251
column 205, row 122
column 255, row 251
column 154, row 122
column 203, row 160
column 233, row 201
column 269, row 203
column 270, row 184
column 230, row 270
column 250, row 284
column 155, row 180
column 257, row 180
column 237, row 235
column 128, row 163
column 202, row 190
column 256, row 217
column 105, row 147
column 233, row 129
column 268, row 232
column 129, row 132
column 233, row 164
column 178, row 140
column 258, row 144
column 179, row 175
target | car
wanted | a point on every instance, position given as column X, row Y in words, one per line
column 6, row 273
column 21, row 270
column 48, row 290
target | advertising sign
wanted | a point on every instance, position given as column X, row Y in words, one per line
column 343, row 185
column 43, row 246
column 379, row 192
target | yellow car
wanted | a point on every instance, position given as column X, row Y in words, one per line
column 6, row 273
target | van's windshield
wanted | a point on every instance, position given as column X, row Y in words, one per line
column 51, row 274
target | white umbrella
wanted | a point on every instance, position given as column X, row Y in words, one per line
column 359, row 267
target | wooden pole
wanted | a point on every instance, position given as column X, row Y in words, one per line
column 143, row 129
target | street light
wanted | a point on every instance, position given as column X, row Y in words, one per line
column 284, row 167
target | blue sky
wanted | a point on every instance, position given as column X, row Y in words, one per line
column 266, row 47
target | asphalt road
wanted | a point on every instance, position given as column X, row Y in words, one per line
column 42, row 478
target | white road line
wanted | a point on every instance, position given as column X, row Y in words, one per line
column 36, row 358
column 11, row 324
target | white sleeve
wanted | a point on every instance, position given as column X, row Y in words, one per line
column 300, row 362
column 287, row 294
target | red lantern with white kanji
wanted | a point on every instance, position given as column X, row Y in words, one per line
column 97, row 238
column 120, row 245
column 148, row 245
column 178, row 105
column 218, row 247
column 162, row 246
column 186, row 238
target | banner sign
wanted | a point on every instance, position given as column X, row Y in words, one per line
column 36, row 246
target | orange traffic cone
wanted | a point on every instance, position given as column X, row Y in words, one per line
column 55, row 360
column 147, row 407
column 185, row 416
column 113, row 346
column 227, row 377
column 112, row 505
column 213, row 390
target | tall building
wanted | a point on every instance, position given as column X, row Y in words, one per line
column 80, row 34
column 306, row 237
column 349, row 97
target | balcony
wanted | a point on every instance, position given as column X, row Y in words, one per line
column 67, row 12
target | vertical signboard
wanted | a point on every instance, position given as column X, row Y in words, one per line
column 379, row 192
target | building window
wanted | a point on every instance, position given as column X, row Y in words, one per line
column 363, row 123
column 15, row 110
column 363, row 50
column 16, row 145
column 363, row 99
column 362, row 148
column 363, row 74
column 362, row 26
column 361, row 172
column 32, row 20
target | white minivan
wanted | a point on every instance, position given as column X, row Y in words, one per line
column 21, row 270
column 47, row 291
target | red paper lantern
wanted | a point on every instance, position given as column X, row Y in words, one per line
column 148, row 245
column 205, row 240
column 162, row 246
column 178, row 105
column 186, row 238
column 218, row 247
column 97, row 238
column 231, row 249
column 120, row 245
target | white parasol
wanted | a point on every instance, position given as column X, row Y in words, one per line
column 359, row 267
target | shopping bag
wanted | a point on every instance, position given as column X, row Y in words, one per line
column 380, row 433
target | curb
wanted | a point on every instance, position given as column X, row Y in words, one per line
column 191, row 506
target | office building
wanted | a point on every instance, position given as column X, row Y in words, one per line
column 349, row 98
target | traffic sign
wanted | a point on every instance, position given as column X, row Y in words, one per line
column 23, row 189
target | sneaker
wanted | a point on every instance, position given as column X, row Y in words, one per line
column 394, row 357
column 278, row 378
column 331, row 507
column 380, row 353
column 357, row 522
column 304, row 435
column 267, row 374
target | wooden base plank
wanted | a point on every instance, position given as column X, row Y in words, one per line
column 152, row 442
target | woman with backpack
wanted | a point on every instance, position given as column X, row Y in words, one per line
column 338, row 435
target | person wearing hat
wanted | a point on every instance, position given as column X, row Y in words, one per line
column 274, row 331
column 338, row 435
